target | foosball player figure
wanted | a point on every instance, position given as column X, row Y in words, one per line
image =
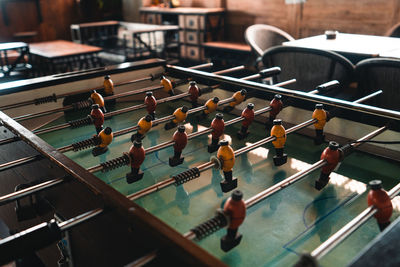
column 108, row 86
column 194, row 92
column 180, row 116
column 97, row 117
column 218, row 127
column 144, row 125
column 276, row 105
column 167, row 84
column 332, row 156
column 96, row 98
column 151, row 104
column 226, row 158
column 235, row 209
column 211, row 106
column 104, row 138
column 279, row 132
column 109, row 89
column 382, row 202
column 321, row 116
column 238, row 98
column 180, row 141
column 136, row 156
column 248, row 115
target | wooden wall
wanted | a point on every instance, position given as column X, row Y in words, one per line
column 57, row 16
column 311, row 18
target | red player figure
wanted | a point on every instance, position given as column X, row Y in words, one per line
column 248, row 115
column 151, row 104
column 381, row 200
column 97, row 117
column 180, row 138
column 235, row 209
column 194, row 92
column 136, row 156
column 332, row 156
column 276, row 107
column 218, row 127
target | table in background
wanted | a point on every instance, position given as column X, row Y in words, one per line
column 63, row 56
column 14, row 57
column 131, row 41
column 197, row 25
column 353, row 46
column 228, row 54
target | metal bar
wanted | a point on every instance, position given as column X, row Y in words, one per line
column 18, row 162
column 31, row 190
column 288, row 181
column 64, row 226
column 143, row 260
column 381, row 112
column 121, row 111
column 349, row 228
column 28, row 102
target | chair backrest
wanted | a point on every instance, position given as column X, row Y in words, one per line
column 380, row 74
column 311, row 67
column 261, row 37
column 394, row 31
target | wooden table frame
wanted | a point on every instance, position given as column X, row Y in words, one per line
column 63, row 56
column 22, row 49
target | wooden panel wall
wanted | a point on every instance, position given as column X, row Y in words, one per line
column 57, row 16
column 311, row 18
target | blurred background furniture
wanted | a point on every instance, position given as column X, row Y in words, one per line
column 260, row 37
column 197, row 25
column 380, row 73
column 14, row 59
column 311, row 67
column 63, row 56
column 127, row 41
column 355, row 47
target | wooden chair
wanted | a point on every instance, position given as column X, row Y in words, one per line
column 379, row 74
column 394, row 31
column 260, row 37
column 311, row 67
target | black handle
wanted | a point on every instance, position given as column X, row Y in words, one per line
column 322, row 88
column 265, row 73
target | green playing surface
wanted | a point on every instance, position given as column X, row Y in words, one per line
column 276, row 230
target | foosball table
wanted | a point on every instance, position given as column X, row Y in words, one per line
column 146, row 163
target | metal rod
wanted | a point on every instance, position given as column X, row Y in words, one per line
column 381, row 112
column 143, row 260
column 349, row 228
column 129, row 109
column 79, row 219
column 18, row 162
column 157, row 121
column 365, row 98
column 30, row 190
column 28, row 102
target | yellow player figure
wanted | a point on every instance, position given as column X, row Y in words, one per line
column 226, row 158
column 238, row 98
column 144, row 125
column 96, row 98
column 104, row 138
column 180, row 116
column 167, row 84
column 279, row 132
column 322, row 117
column 211, row 106
column 108, row 85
